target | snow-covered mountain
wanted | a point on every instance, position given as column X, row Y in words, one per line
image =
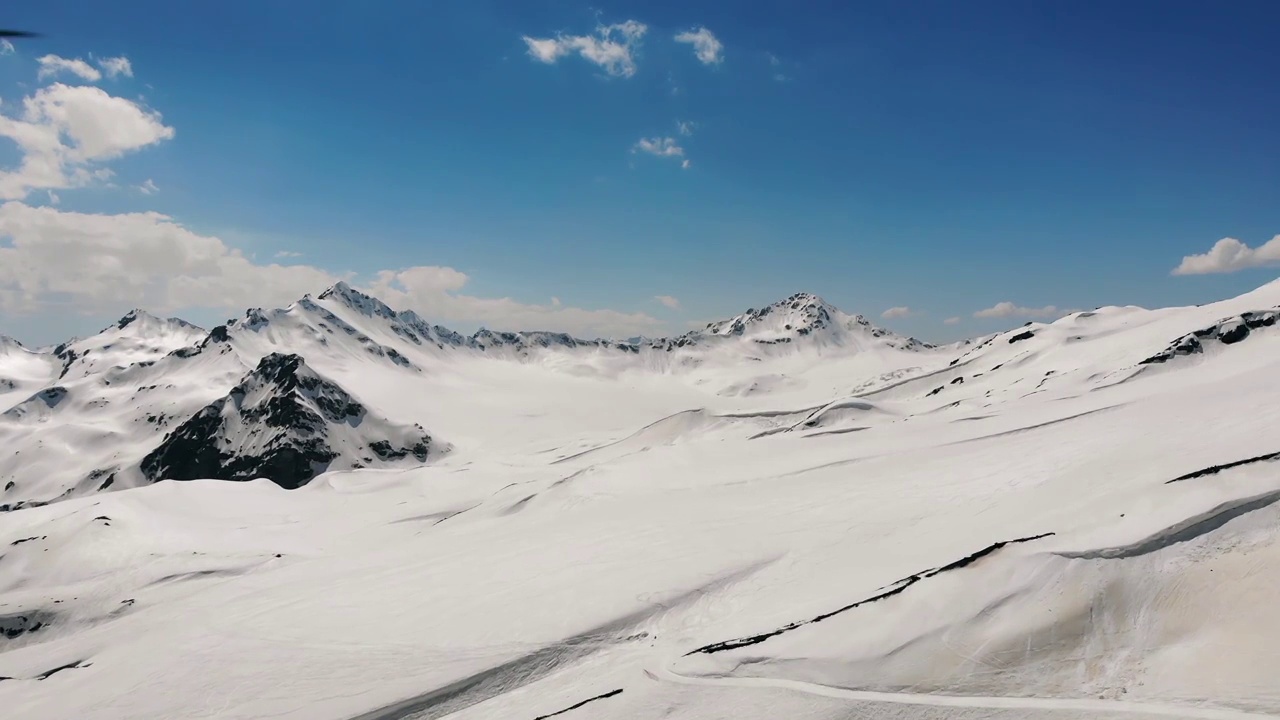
column 789, row 513
column 286, row 423
column 149, row 398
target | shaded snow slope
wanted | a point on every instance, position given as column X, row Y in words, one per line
column 1036, row 524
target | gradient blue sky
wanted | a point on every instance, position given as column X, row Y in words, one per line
column 941, row 156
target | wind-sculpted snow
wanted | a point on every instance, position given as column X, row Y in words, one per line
column 893, row 589
column 730, row 522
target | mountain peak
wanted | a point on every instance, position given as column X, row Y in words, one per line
column 146, row 319
column 342, row 293
column 287, row 423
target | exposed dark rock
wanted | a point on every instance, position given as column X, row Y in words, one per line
column 70, row 666
column 9, row 485
column 575, row 706
column 935, row 391
column 30, row 539
column 101, row 473
column 12, row 626
column 278, row 424
column 1228, row 331
column 887, row 592
column 1215, row 469
column 1027, row 335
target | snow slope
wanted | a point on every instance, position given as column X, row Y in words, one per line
column 1044, row 523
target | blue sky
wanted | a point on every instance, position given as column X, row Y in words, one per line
column 507, row 159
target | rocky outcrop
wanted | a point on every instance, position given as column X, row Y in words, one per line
column 286, row 423
column 1228, row 332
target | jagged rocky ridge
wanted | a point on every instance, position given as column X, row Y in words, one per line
column 1227, row 331
column 286, row 423
column 799, row 316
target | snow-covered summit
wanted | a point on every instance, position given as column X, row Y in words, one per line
column 805, row 315
column 287, row 423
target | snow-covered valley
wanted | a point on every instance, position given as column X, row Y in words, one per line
column 788, row 514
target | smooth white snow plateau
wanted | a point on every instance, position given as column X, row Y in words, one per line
column 789, row 514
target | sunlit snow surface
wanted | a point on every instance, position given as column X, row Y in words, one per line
column 845, row 524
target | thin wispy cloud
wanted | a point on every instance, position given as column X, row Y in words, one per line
column 612, row 47
column 706, row 46
column 284, row 254
column 58, row 261
column 6, row 48
column 952, row 321
column 116, row 67
column 51, row 65
column 665, row 147
column 1230, row 255
column 686, row 127
column 149, row 187
column 668, row 301
column 896, row 312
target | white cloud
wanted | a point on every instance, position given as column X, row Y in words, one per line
column 547, row 50
column 1230, row 255
column 434, row 292
column 59, row 262
column 776, row 63
column 669, row 301
column 84, row 262
column 116, row 66
column 53, row 197
column 1008, row 309
column 149, row 187
column 6, row 47
column 65, row 130
column 952, row 321
column 896, row 312
column 660, row 146
column 288, row 254
column 612, row 47
column 51, row 65
column 686, row 127
column 685, row 164
column 708, row 48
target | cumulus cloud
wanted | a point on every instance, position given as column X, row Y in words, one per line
column 61, row 262
column 116, row 66
column 896, row 312
column 65, row 132
column 51, row 65
column 612, row 47
column 706, row 46
column 668, row 301
column 435, row 292
column 1230, row 255
column 84, row 261
column 952, row 321
column 1008, row 309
